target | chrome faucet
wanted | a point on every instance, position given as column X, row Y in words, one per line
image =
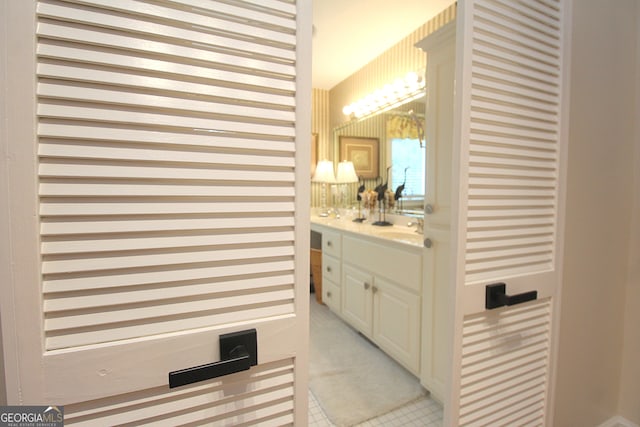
column 419, row 224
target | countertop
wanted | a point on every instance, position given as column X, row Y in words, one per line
column 395, row 233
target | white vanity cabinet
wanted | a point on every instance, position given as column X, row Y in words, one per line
column 381, row 292
column 375, row 285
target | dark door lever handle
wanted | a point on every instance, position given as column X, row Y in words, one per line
column 496, row 296
column 238, row 352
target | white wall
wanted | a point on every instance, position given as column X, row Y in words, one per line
column 629, row 406
column 599, row 211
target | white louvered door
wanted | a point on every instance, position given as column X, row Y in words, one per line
column 166, row 202
column 509, row 122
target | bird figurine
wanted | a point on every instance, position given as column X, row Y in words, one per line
column 359, row 195
column 360, row 188
column 381, row 189
column 382, row 192
column 379, row 186
column 400, row 188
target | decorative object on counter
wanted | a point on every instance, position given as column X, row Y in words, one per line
column 346, row 175
column 324, row 175
column 383, row 198
column 400, row 188
column 390, row 199
column 359, row 193
column 418, row 223
column 363, row 152
column 370, row 199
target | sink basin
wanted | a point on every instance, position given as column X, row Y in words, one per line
column 405, row 236
column 392, row 234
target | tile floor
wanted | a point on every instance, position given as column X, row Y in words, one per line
column 423, row 412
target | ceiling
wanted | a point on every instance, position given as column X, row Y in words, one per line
column 348, row 34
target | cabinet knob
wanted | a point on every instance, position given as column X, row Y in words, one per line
column 329, row 243
column 374, row 289
column 328, row 269
column 366, row 285
column 428, row 208
column 428, row 243
column 328, row 294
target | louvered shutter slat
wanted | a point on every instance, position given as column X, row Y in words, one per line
column 107, row 151
column 67, row 226
column 185, row 291
column 92, row 57
column 109, row 96
column 510, row 102
column 133, row 279
column 66, row 110
column 84, row 335
column 202, row 138
column 69, row 169
column 128, row 260
column 487, row 82
column 135, row 208
column 104, row 317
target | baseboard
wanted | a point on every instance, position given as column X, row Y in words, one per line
column 618, row 421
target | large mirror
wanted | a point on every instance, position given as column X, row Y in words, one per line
column 397, row 137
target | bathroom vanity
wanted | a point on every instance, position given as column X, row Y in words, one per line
column 372, row 279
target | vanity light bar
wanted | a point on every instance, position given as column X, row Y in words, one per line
column 390, row 96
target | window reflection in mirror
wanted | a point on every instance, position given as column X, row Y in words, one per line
column 407, row 160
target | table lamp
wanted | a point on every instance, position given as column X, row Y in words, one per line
column 324, row 175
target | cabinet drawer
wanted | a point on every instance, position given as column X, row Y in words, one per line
column 331, row 268
column 331, row 296
column 331, row 244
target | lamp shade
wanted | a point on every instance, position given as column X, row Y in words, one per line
column 324, row 172
column 346, row 173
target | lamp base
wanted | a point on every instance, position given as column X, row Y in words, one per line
column 362, row 219
column 382, row 223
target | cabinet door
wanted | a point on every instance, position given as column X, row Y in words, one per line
column 356, row 298
column 396, row 323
